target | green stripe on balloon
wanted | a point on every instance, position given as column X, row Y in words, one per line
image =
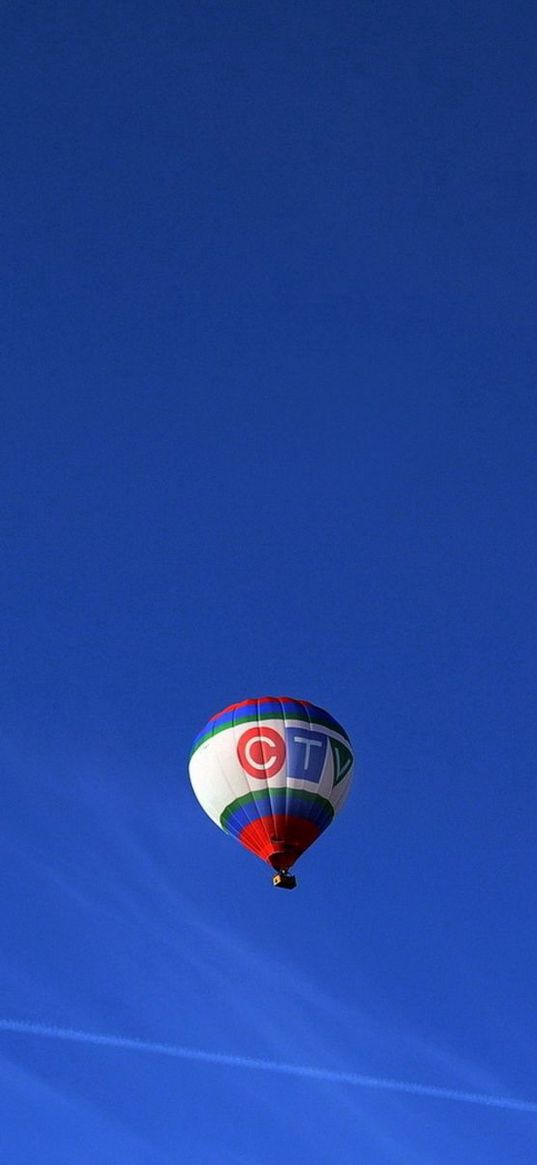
column 292, row 797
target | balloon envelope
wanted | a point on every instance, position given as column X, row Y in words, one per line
column 272, row 772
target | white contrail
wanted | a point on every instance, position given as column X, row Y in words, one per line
column 325, row 1075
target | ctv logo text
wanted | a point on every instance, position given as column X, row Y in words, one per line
column 263, row 751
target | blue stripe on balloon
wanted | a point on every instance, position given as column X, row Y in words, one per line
column 286, row 802
column 276, row 708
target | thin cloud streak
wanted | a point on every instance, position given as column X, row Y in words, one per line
column 324, row 1075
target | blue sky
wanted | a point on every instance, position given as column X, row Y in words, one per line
column 268, row 426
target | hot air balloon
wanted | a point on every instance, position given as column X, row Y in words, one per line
column 272, row 772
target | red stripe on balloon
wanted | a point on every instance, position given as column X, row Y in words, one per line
column 262, row 700
column 279, row 840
